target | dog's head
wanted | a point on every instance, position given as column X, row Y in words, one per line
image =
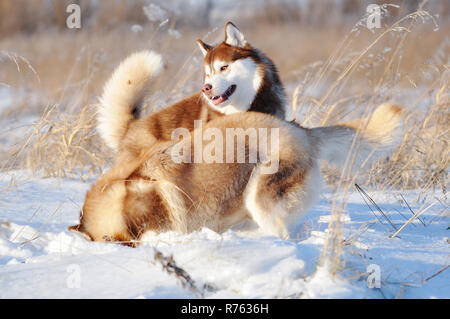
column 233, row 72
column 101, row 218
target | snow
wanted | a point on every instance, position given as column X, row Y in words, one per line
column 39, row 258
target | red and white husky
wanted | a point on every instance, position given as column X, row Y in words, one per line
column 238, row 78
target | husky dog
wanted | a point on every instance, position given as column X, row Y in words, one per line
column 238, row 78
column 153, row 192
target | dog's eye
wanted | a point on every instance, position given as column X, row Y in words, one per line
column 224, row 68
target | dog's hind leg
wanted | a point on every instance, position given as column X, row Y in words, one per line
column 276, row 201
column 267, row 214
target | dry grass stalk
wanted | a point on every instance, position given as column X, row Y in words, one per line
column 169, row 265
column 436, row 136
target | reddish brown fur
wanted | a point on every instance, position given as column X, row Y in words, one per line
column 143, row 132
column 211, row 195
column 151, row 192
column 273, row 188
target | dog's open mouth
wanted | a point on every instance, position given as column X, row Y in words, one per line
column 219, row 99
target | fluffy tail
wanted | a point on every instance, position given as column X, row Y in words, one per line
column 375, row 135
column 123, row 95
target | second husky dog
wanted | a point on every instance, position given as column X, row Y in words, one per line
column 153, row 192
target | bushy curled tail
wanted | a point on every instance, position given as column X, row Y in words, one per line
column 375, row 136
column 123, row 95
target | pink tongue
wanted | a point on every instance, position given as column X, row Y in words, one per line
column 220, row 100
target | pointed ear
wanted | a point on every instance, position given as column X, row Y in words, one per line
column 233, row 36
column 77, row 229
column 204, row 47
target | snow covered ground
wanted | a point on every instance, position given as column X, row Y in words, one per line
column 40, row 259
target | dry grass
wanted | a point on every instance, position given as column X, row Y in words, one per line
column 61, row 145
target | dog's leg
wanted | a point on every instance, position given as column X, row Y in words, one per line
column 269, row 216
column 275, row 201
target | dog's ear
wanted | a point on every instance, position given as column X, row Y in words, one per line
column 204, row 47
column 233, row 36
column 78, row 229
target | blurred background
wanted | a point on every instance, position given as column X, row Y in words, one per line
column 294, row 33
column 333, row 65
column 29, row 16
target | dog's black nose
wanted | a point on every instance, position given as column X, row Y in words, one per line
column 207, row 88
